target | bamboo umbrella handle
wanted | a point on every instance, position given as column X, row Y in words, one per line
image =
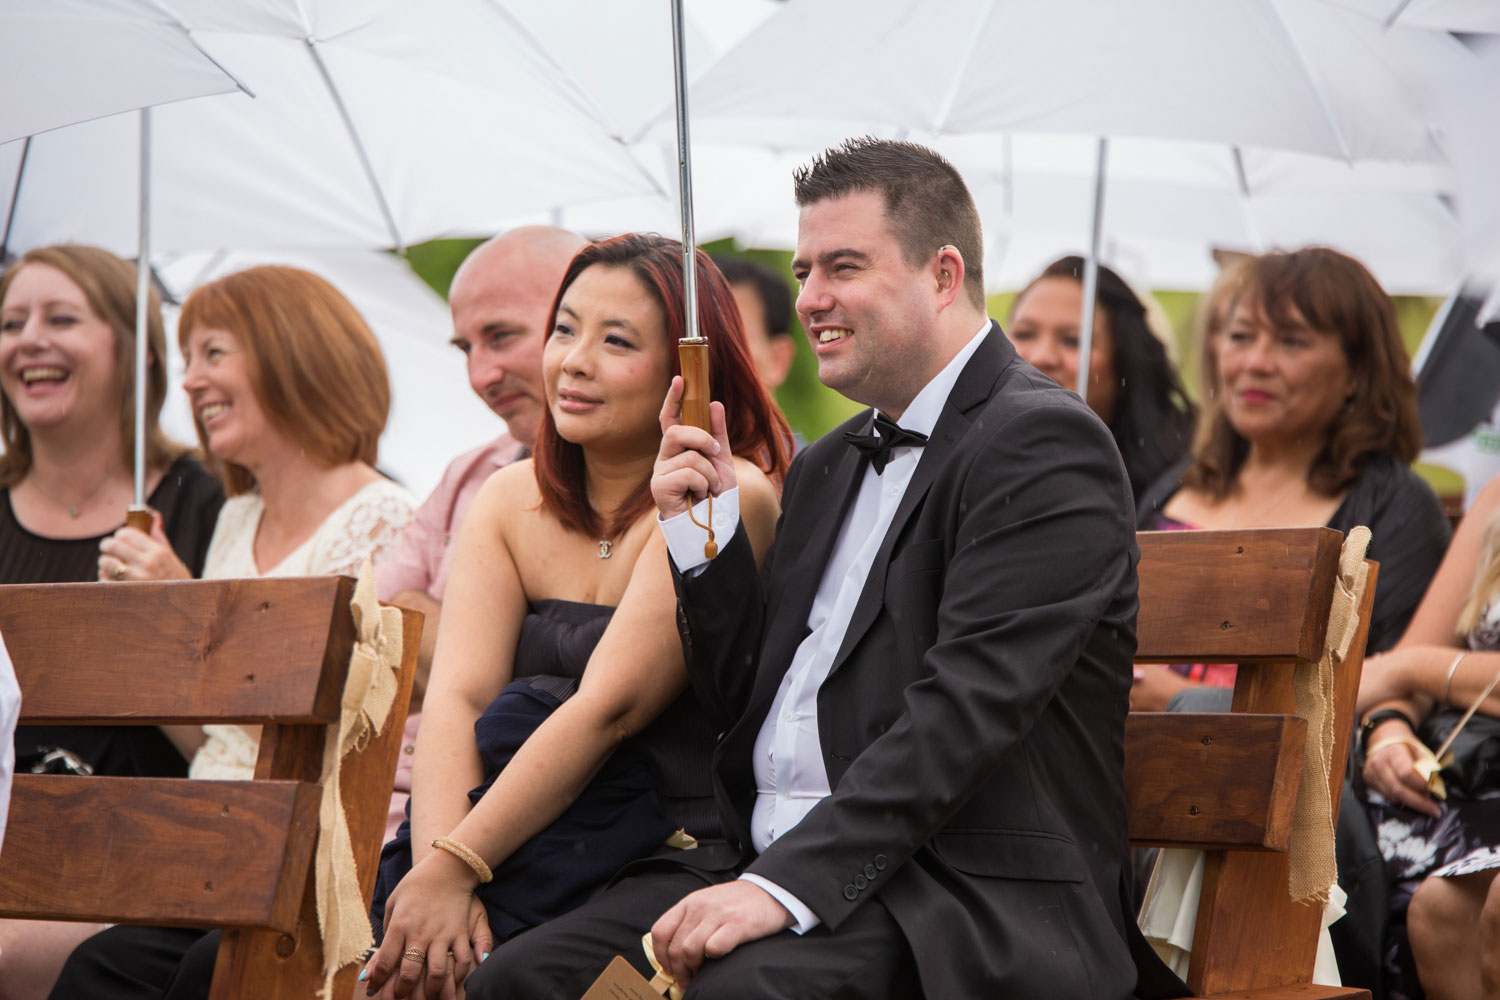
column 695, row 393
column 139, row 518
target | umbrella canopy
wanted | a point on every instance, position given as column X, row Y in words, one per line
column 1304, row 76
column 1301, row 75
column 1442, row 15
column 68, row 61
column 374, row 125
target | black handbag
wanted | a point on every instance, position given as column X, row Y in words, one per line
column 1475, row 755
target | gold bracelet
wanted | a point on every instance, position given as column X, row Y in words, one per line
column 467, row 856
column 1448, row 687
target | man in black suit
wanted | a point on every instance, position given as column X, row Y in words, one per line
column 926, row 688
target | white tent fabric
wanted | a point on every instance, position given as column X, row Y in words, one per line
column 434, row 416
column 69, row 61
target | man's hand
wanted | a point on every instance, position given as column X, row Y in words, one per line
column 711, row 923
column 692, row 463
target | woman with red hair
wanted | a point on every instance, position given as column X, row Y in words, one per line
column 560, row 739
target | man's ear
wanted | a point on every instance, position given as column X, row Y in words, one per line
column 948, row 271
column 783, row 352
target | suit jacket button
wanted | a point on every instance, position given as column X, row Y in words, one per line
column 851, row 893
column 871, row 872
column 881, row 862
column 860, row 882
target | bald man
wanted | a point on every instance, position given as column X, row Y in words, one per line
column 500, row 298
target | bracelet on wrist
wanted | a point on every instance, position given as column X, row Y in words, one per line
column 1377, row 718
column 467, row 855
column 1448, row 684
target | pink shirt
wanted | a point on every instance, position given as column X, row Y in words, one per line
column 421, row 559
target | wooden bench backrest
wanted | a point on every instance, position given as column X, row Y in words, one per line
column 1228, row 783
column 228, row 854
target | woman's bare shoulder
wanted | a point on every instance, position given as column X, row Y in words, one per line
column 508, row 495
column 757, row 492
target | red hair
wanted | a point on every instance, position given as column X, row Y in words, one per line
column 757, row 430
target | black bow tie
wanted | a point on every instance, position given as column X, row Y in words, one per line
column 888, row 435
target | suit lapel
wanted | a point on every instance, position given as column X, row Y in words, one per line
column 975, row 385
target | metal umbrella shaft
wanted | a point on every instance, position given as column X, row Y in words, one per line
column 1091, row 275
column 139, row 515
column 692, row 349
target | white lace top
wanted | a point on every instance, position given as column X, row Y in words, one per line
column 367, row 524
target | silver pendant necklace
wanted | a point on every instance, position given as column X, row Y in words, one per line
column 605, row 548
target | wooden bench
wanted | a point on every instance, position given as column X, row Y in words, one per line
column 1227, row 784
column 215, row 854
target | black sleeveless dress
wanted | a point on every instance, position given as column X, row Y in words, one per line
column 618, row 818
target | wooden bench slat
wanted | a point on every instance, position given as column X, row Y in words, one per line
column 251, row 651
column 1298, row 991
column 1235, row 597
column 158, row 850
column 1242, row 794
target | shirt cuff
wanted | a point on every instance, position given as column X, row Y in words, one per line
column 805, row 919
column 685, row 539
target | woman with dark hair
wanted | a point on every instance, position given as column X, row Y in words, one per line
column 1133, row 386
column 1314, row 423
column 67, row 418
column 560, row 739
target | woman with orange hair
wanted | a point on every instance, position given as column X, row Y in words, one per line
column 289, row 395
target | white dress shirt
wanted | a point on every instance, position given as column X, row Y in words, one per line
column 790, row 778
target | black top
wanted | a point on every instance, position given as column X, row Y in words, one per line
column 556, row 641
column 187, row 496
column 1408, row 535
column 189, row 499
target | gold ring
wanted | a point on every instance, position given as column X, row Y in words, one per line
column 119, row 571
column 416, row 955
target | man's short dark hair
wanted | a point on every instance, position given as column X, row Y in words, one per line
column 775, row 296
column 926, row 201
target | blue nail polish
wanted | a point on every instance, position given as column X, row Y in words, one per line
column 362, row 974
column 484, row 956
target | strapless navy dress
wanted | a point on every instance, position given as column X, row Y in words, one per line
column 617, row 819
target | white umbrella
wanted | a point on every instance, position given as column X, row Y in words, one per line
column 374, row 125
column 1442, row 15
column 1304, row 76
column 68, row 61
